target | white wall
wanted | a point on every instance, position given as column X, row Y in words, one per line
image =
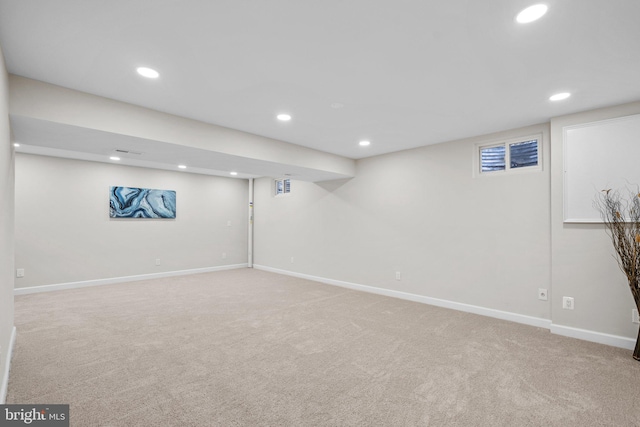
column 583, row 264
column 6, row 230
column 64, row 233
column 483, row 241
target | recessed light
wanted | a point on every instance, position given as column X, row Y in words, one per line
column 364, row 143
column 114, row 158
column 15, row 144
column 233, row 173
column 284, row 117
column 149, row 73
column 532, row 13
column 559, row 96
column 182, row 166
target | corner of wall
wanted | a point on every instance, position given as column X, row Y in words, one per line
column 4, row 379
column 7, row 184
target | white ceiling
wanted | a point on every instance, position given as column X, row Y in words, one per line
column 406, row 73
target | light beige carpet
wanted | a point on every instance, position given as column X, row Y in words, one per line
column 251, row 348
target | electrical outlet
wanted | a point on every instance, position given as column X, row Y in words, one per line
column 20, row 272
column 634, row 316
column 567, row 303
column 224, row 255
column 157, row 261
column 398, row 275
column 542, row 294
column 229, row 223
column 291, row 260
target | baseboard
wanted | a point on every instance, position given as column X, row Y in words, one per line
column 583, row 334
column 597, row 337
column 468, row 308
column 4, row 383
column 113, row 280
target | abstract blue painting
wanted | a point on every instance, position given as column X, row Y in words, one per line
column 129, row 202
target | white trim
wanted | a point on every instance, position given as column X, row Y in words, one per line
column 597, row 337
column 4, row 385
column 567, row 331
column 583, row 334
column 110, row 281
column 250, row 226
column 468, row 308
column 595, row 219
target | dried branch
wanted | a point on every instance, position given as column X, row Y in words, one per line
column 621, row 217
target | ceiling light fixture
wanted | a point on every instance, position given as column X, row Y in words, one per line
column 284, row 117
column 114, row 158
column 532, row 13
column 182, row 166
column 559, row 96
column 233, row 173
column 364, row 143
column 149, row 73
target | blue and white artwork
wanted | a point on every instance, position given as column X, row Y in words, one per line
column 129, row 202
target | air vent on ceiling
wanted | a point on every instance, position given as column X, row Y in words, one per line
column 128, row 152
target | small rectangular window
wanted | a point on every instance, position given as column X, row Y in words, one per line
column 510, row 155
column 282, row 186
